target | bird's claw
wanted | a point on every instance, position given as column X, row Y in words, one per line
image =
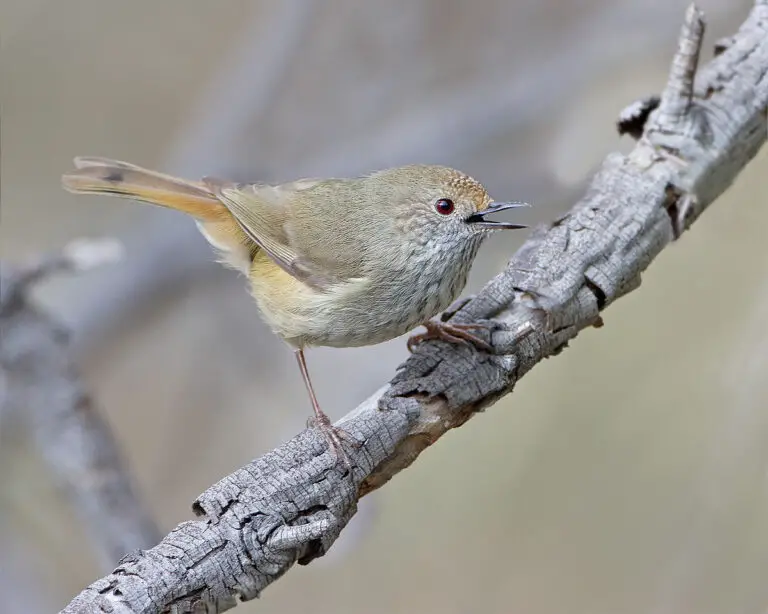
column 451, row 333
column 335, row 436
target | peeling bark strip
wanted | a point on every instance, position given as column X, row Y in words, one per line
column 291, row 504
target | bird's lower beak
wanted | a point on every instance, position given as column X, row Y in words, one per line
column 478, row 219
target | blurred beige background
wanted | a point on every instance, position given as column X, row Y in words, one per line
column 627, row 475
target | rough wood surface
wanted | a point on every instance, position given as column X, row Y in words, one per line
column 291, row 504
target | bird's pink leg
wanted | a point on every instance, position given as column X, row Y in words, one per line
column 333, row 434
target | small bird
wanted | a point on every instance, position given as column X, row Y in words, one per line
column 332, row 262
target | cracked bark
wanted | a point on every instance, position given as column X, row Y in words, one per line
column 291, row 504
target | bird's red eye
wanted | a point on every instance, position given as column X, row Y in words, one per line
column 444, row 206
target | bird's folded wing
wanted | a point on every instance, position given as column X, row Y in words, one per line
column 263, row 213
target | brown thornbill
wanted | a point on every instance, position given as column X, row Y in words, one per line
column 332, row 262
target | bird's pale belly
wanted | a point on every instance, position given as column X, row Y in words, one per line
column 356, row 313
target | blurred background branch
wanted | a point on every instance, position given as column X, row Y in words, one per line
column 291, row 504
column 41, row 387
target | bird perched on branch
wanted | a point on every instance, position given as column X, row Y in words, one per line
column 332, row 262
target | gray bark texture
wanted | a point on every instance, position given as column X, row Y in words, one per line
column 291, row 504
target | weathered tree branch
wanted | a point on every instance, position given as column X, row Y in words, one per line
column 41, row 385
column 291, row 504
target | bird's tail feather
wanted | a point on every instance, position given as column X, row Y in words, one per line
column 105, row 176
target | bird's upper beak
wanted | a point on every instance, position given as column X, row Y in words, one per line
column 478, row 219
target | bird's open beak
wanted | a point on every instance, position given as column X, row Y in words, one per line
column 478, row 219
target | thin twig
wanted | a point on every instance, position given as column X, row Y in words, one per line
column 291, row 504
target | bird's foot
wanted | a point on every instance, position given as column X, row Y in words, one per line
column 335, row 436
column 452, row 333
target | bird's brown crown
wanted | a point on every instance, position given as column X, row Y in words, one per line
column 473, row 189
